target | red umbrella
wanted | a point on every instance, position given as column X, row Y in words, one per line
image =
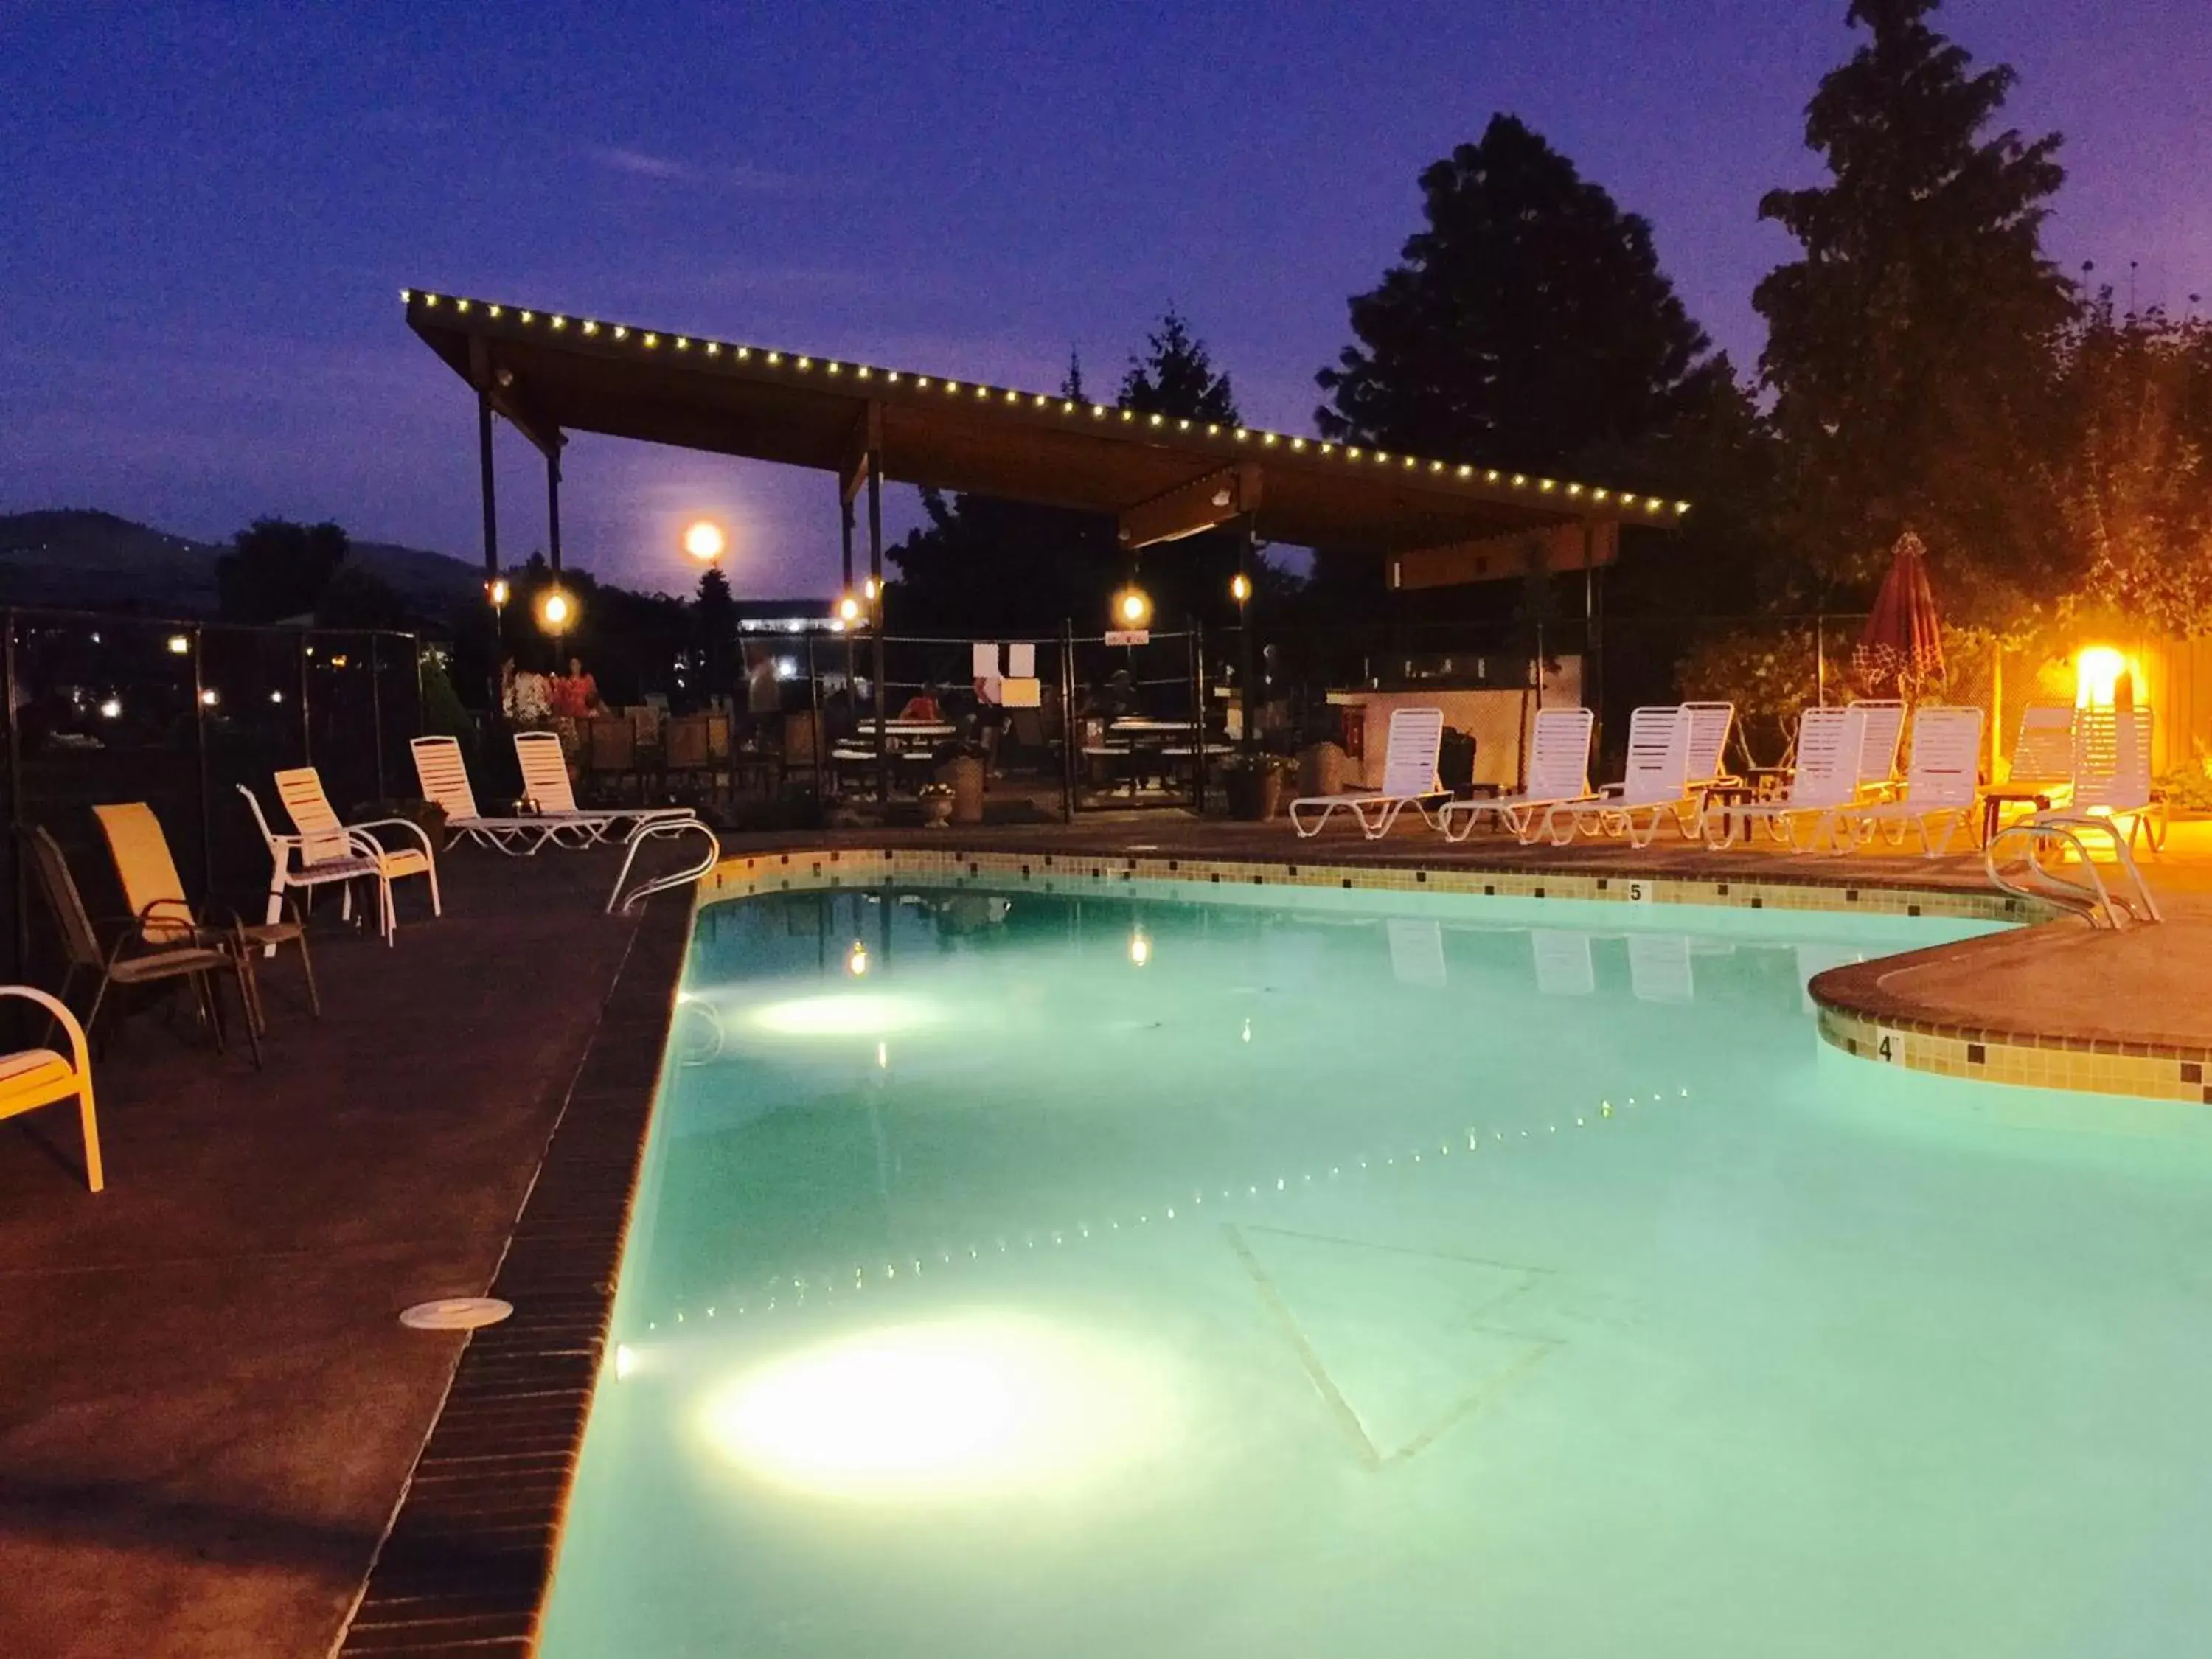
column 1903, row 642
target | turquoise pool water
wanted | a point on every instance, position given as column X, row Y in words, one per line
column 1123, row 1274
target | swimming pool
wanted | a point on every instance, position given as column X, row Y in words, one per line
column 1114, row 1273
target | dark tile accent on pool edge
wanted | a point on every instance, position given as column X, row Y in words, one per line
column 468, row 1559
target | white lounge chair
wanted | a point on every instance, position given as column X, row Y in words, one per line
column 2043, row 754
column 1709, row 725
column 545, row 781
column 1884, row 727
column 1558, row 775
column 1655, row 784
column 1939, row 789
column 1409, row 779
column 2111, row 772
column 445, row 779
column 1830, row 742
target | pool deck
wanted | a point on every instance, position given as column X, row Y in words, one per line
column 208, row 1411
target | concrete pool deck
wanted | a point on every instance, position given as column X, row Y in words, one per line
column 208, row 1412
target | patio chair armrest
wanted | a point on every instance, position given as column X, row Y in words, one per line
column 412, row 827
column 58, row 1013
column 174, row 920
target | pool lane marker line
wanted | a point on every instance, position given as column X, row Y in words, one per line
column 1370, row 1457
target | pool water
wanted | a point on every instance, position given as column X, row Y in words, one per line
column 1350, row 1273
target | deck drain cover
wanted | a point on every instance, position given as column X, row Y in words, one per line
column 456, row 1313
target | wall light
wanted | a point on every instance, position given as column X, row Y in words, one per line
column 556, row 612
column 1132, row 607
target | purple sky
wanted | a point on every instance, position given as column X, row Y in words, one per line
column 207, row 211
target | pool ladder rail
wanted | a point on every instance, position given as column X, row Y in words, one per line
column 2125, row 902
column 622, row 903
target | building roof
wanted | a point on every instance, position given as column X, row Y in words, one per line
column 549, row 374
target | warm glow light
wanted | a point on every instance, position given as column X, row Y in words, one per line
column 849, row 607
column 208, row 697
column 975, row 1406
column 703, row 540
column 556, row 610
column 179, row 645
column 2097, row 673
column 856, row 959
column 1240, row 587
column 846, row 1013
column 1141, row 948
column 500, row 592
column 871, row 590
column 111, row 709
column 1132, row 607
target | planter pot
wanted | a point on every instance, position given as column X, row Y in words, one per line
column 936, row 812
column 965, row 774
column 1254, row 797
column 1321, row 769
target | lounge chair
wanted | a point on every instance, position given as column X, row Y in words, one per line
column 1559, row 774
column 2111, row 773
column 1409, row 779
column 32, row 1077
column 1655, row 784
column 545, row 781
column 1883, row 720
column 1939, row 789
column 2043, row 754
column 1830, row 744
column 155, row 894
column 1709, row 725
column 119, row 963
column 445, row 779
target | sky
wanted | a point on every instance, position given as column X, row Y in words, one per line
column 207, row 211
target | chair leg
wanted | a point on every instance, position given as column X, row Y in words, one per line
column 308, row 970
column 437, row 908
column 89, row 1123
column 274, row 913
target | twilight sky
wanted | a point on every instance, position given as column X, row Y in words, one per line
column 207, row 211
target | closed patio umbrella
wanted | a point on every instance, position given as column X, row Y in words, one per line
column 1903, row 644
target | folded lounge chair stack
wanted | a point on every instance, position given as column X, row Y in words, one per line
column 1409, row 779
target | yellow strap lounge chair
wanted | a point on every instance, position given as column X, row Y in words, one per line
column 155, row 893
column 32, row 1077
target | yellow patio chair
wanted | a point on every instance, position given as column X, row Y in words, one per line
column 32, row 1077
column 155, row 893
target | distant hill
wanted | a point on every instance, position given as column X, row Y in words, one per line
column 79, row 559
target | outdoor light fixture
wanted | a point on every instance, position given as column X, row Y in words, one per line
column 498, row 592
column 555, row 610
column 207, row 696
column 2097, row 673
column 179, row 645
column 704, row 541
column 856, row 960
column 872, row 590
column 1132, row 607
column 850, row 610
column 1240, row 587
column 111, row 709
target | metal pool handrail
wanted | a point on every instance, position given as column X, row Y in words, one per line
column 652, row 829
column 2131, row 907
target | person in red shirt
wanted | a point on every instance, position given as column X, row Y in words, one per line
column 575, row 695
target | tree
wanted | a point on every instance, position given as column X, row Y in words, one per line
column 1908, row 350
column 276, row 569
column 718, row 630
column 1528, row 323
column 1176, row 377
column 356, row 598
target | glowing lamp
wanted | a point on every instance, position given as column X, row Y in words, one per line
column 872, row 590
column 849, row 608
column 498, row 592
column 208, row 697
column 1132, row 607
column 856, row 960
column 2097, row 673
column 555, row 610
column 704, row 541
column 111, row 709
column 179, row 645
column 1240, row 587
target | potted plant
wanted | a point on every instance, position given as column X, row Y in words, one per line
column 963, row 773
column 1257, row 784
column 936, row 804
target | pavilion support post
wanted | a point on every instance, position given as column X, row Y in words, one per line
column 876, row 621
column 552, row 510
column 1246, row 706
column 852, row 650
column 490, row 546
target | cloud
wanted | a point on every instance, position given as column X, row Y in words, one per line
column 644, row 164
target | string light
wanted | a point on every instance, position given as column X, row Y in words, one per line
column 1652, row 505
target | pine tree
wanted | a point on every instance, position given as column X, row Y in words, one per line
column 1176, row 377
column 1528, row 323
column 1910, row 349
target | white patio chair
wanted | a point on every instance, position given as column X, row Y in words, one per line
column 2111, row 772
column 1709, row 725
column 2043, row 753
column 1409, row 779
column 545, row 781
column 1655, row 784
column 1559, row 774
column 307, row 862
column 1883, row 721
column 1939, row 789
column 301, row 789
column 1659, row 968
column 445, row 779
column 1830, row 744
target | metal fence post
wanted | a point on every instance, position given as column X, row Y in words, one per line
column 1068, row 743
column 1197, row 652
column 376, row 713
column 200, row 758
column 20, row 934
